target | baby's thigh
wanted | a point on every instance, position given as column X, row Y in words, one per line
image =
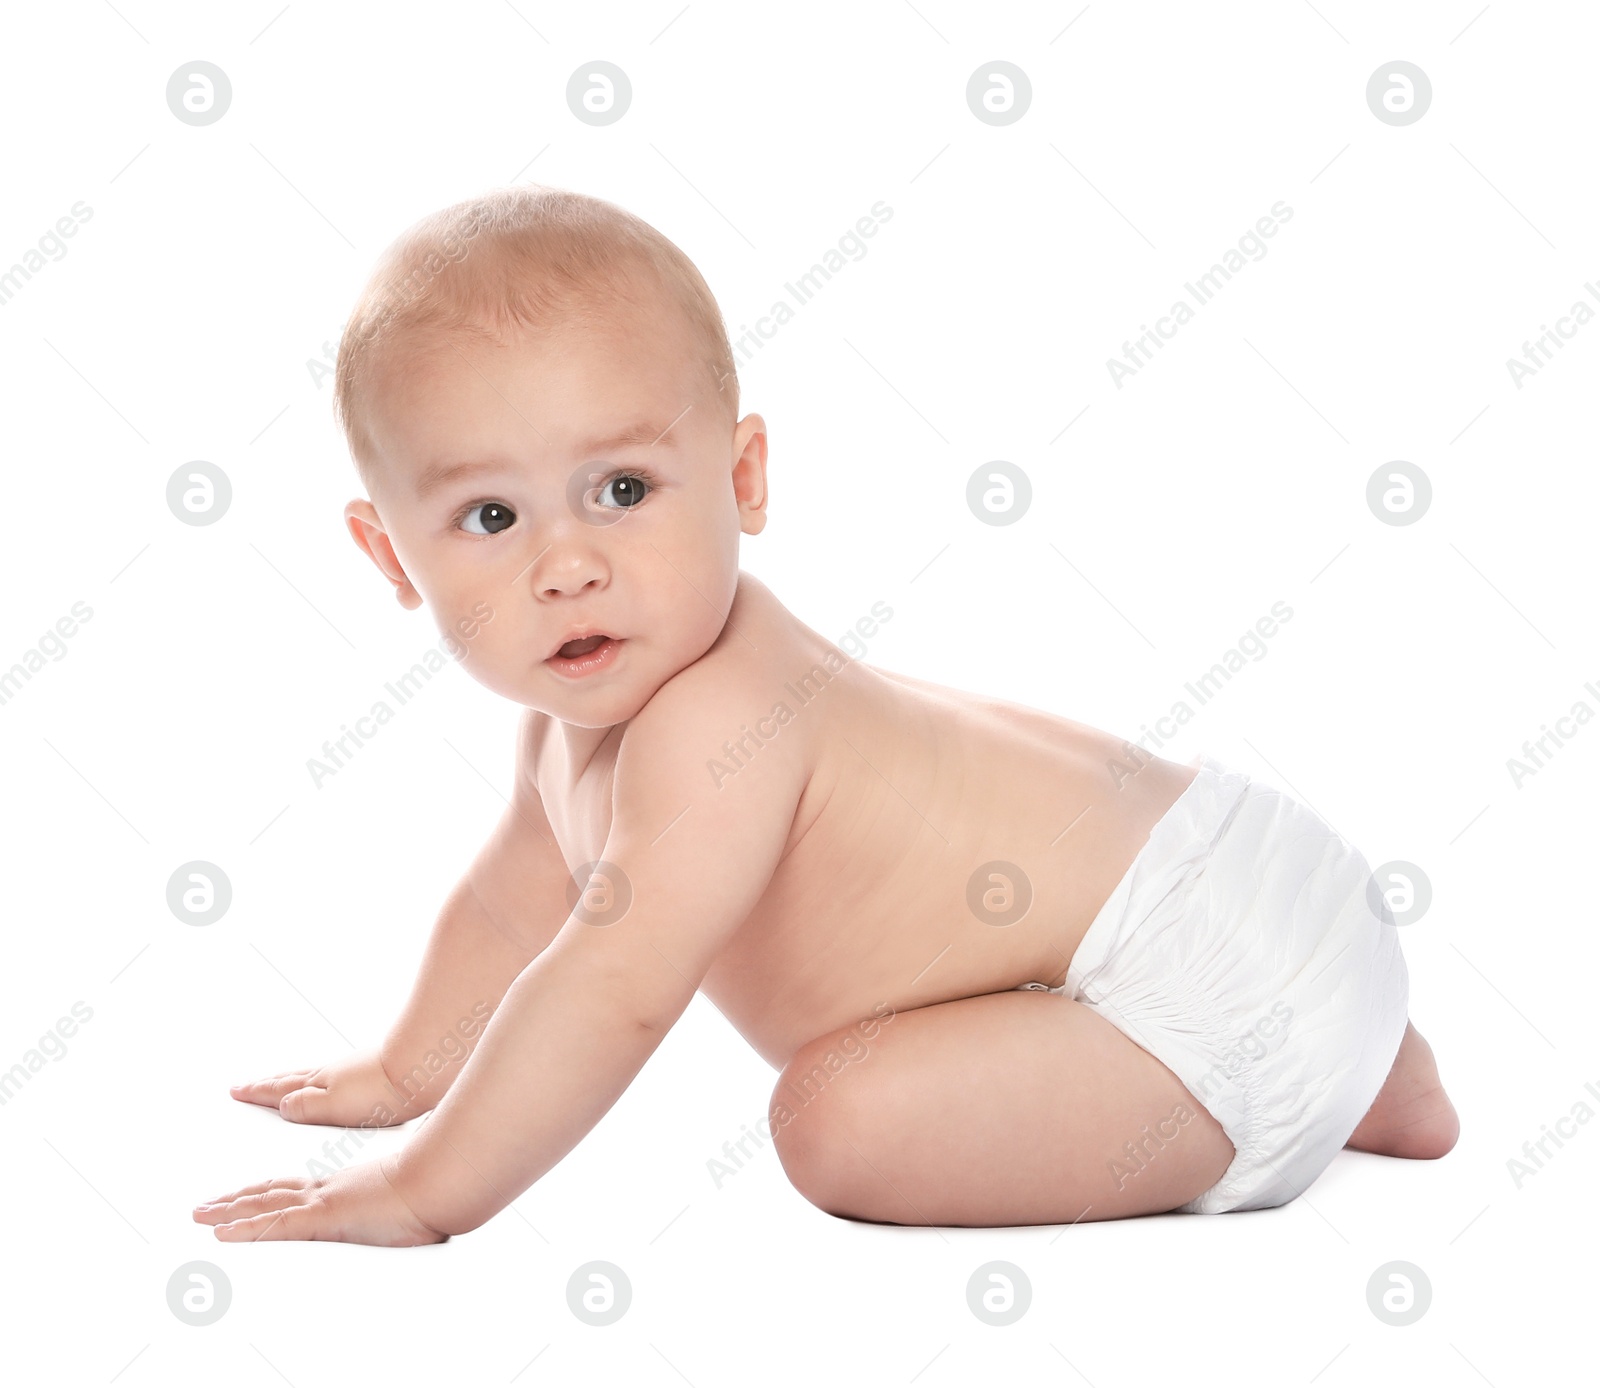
column 1020, row 1107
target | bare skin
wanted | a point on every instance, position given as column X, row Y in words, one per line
column 797, row 834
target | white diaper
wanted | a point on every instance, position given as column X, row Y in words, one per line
column 1241, row 950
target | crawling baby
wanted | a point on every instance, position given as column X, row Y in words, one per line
column 1013, row 970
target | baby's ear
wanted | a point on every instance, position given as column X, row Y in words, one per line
column 750, row 473
column 366, row 529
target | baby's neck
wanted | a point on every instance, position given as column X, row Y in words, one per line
column 578, row 747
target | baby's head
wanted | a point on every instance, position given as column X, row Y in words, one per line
column 541, row 402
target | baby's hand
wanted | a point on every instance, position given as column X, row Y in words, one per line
column 358, row 1204
column 354, row 1091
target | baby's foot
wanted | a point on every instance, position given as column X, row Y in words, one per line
column 1412, row 1115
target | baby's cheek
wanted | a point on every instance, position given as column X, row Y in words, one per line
column 475, row 644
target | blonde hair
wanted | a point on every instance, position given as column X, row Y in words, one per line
column 526, row 257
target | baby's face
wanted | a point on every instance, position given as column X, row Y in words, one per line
column 585, row 481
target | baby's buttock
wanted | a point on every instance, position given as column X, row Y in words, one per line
column 1246, row 950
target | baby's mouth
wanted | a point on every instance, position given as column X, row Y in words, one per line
column 574, row 649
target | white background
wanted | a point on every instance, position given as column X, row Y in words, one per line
column 1229, row 474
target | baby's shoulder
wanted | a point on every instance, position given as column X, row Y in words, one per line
column 713, row 695
column 719, row 707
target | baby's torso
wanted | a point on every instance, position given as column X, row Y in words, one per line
column 930, row 818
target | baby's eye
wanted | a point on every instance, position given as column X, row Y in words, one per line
column 488, row 518
column 630, row 489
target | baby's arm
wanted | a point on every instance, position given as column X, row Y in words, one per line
column 582, row 1018
column 504, row 911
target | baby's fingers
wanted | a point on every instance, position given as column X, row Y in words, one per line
column 291, row 1182
column 241, row 1205
column 292, row 1222
column 271, row 1091
column 309, row 1104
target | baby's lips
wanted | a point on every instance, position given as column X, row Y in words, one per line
column 598, row 637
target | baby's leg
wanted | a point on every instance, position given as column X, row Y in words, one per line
column 1019, row 1107
column 1412, row 1115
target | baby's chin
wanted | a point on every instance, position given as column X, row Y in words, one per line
column 588, row 712
column 589, row 703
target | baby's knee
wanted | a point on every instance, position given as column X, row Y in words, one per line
column 809, row 1130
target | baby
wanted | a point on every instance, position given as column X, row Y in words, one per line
column 1013, row 970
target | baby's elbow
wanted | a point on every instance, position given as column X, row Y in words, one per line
column 658, row 1014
